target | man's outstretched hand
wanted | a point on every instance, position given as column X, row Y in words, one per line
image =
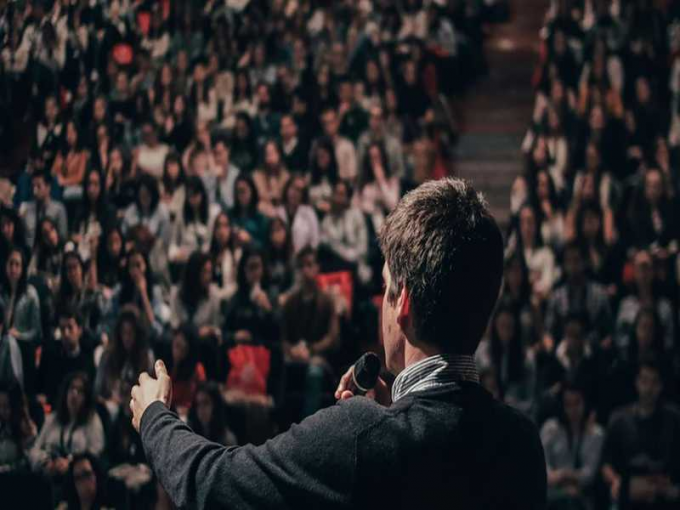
column 150, row 390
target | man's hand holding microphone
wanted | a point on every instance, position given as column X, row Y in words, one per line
column 363, row 378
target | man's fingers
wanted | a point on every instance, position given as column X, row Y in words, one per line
column 143, row 377
column 344, row 381
column 135, row 390
column 346, row 394
column 161, row 371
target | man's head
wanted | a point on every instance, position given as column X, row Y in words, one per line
column 644, row 268
column 308, row 265
column 70, row 328
column 263, row 95
column 340, row 197
column 40, row 182
column 288, row 129
column 329, row 120
column 443, row 269
column 574, row 262
column 346, row 91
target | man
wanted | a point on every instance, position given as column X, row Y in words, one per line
column 294, row 152
column 376, row 133
column 266, row 121
column 345, row 154
column 641, row 455
column 443, row 442
column 344, row 235
column 220, row 183
column 579, row 294
column 310, row 333
column 353, row 118
column 72, row 354
column 42, row 206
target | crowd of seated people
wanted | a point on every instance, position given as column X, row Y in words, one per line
column 585, row 339
column 204, row 183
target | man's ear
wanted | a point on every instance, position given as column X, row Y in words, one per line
column 404, row 307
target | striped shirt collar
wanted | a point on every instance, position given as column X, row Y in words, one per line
column 436, row 371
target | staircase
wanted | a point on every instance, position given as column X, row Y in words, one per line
column 496, row 112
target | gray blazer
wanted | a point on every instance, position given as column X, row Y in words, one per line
column 26, row 317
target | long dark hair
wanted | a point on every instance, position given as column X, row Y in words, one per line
column 19, row 236
column 70, row 491
column 241, row 280
column 305, row 194
column 589, row 207
column 367, row 175
column 100, row 206
column 17, row 412
column 149, row 182
column 249, row 85
column 86, row 411
column 218, row 423
column 169, row 185
column 128, row 288
column 191, row 292
column 139, row 356
column 573, row 386
column 193, row 185
column 515, row 350
column 516, row 225
column 66, row 290
column 187, row 367
column 552, row 194
column 657, row 334
column 286, row 252
column 517, row 257
column 65, row 148
column 324, row 143
column 109, row 268
column 23, row 280
column 251, row 208
column 215, row 249
column 40, row 248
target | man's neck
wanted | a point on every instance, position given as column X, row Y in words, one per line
column 414, row 354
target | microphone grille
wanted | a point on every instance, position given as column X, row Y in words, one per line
column 367, row 370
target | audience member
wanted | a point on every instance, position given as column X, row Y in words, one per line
column 641, row 448
column 73, row 428
column 17, row 430
column 208, row 415
column 72, row 353
column 573, row 443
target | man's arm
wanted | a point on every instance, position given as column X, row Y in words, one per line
column 311, row 466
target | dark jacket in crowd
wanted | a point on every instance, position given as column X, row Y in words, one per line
column 56, row 364
column 444, row 448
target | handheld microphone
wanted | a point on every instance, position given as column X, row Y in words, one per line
column 365, row 373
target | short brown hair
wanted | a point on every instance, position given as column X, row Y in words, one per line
column 444, row 246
